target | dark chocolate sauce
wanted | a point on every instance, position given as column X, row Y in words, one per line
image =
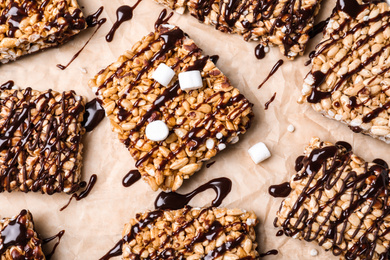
column 49, row 239
column 15, row 233
column 131, row 177
column 84, row 193
column 370, row 185
column 92, row 20
column 279, row 233
column 173, row 200
column 272, row 72
column 270, row 101
column 318, row 28
column 259, row 51
column 270, row 252
column 123, row 13
column 115, row 251
column 350, row 7
column 210, row 164
column 280, row 190
column 94, row 114
column 162, row 18
column 7, row 86
column 214, row 58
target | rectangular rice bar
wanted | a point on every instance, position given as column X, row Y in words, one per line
column 201, row 122
column 340, row 201
column 284, row 23
column 208, row 233
column 40, row 140
column 349, row 80
column 18, row 239
column 32, row 25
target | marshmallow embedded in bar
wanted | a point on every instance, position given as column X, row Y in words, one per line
column 259, row 152
column 157, row 131
column 190, row 80
column 163, row 74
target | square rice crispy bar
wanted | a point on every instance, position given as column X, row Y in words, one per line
column 214, row 115
column 40, row 140
column 284, row 23
column 349, row 80
column 18, row 239
column 339, row 201
column 27, row 26
column 188, row 233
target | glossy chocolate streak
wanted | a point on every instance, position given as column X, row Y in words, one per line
column 210, row 164
column 84, row 193
column 270, row 101
column 23, row 121
column 49, row 239
column 15, row 233
column 280, row 190
column 270, row 252
column 318, row 28
column 131, row 177
column 92, row 20
column 94, row 114
column 214, row 58
column 115, row 251
column 370, row 185
column 162, row 18
column 293, row 16
column 173, row 200
column 272, row 72
column 7, row 86
column 123, row 13
column 259, row 51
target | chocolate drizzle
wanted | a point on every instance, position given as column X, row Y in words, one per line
column 49, row 239
column 173, row 200
column 162, row 18
column 84, row 193
column 368, row 188
column 131, row 177
column 123, row 13
column 94, row 114
column 270, row 252
column 318, row 28
column 259, row 51
column 269, row 101
column 272, row 72
column 92, row 20
column 7, row 86
column 280, row 190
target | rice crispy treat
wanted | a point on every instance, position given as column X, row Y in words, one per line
column 27, row 26
column 40, row 140
column 349, row 80
column 201, row 122
column 190, row 233
column 284, row 23
column 18, row 239
column 340, row 201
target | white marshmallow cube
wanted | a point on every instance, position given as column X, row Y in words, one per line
column 259, row 152
column 163, row 74
column 157, row 131
column 190, row 80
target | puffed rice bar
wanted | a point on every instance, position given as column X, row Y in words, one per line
column 32, row 25
column 40, row 140
column 18, row 239
column 284, row 23
column 201, row 122
column 340, row 201
column 349, row 80
column 188, row 233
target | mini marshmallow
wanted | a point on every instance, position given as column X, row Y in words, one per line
column 157, row 131
column 163, row 74
column 210, row 144
column 221, row 146
column 313, row 252
column 190, row 80
column 219, row 135
column 259, row 152
column 234, row 140
column 291, row 128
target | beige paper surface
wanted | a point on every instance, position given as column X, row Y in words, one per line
column 94, row 225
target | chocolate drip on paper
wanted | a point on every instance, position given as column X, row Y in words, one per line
column 47, row 240
column 94, row 114
column 131, row 177
column 84, row 193
column 272, row 72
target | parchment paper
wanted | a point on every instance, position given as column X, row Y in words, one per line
column 94, row 224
